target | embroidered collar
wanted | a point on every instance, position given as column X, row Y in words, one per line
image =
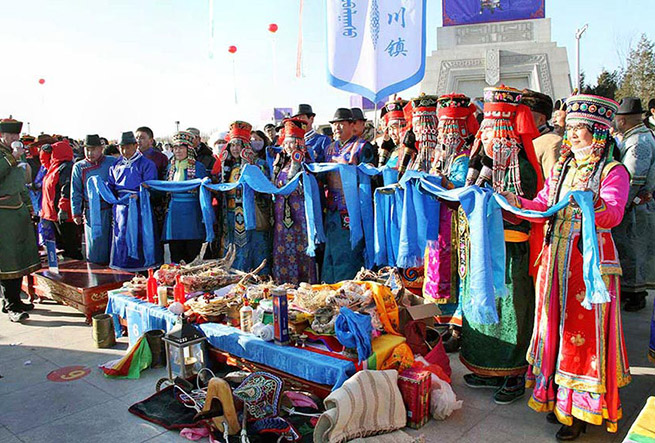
column 310, row 134
column 130, row 161
column 635, row 130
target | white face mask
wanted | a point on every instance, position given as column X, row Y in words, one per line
column 257, row 145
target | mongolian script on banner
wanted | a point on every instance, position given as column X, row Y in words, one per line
column 466, row 12
column 375, row 47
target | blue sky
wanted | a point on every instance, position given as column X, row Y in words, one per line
column 113, row 65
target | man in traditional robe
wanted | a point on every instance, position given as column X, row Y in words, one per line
column 125, row 177
column 548, row 144
column 341, row 260
column 94, row 164
column 634, row 236
column 315, row 143
column 19, row 255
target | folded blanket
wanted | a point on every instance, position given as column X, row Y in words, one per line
column 368, row 403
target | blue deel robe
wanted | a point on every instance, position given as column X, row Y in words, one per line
column 97, row 249
column 184, row 216
column 125, row 177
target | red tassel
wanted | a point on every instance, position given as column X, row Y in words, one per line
column 526, row 128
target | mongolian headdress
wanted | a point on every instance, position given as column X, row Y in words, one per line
column 294, row 131
column 394, row 112
column 513, row 129
column 457, row 125
column 597, row 114
column 184, row 138
column 239, row 133
column 422, row 113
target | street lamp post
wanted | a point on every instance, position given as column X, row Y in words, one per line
column 177, row 126
column 578, row 36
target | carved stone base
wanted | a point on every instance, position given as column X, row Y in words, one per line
column 519, row 54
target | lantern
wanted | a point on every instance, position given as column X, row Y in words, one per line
column 185, row 350
column 41, row 81
column 232, row 49
column 272, row 28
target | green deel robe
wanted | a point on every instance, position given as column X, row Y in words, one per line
column 500, row 349
column 19, row 254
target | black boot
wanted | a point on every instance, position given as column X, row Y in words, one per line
column 636, row 303
column 570, row 433
column 551, row 417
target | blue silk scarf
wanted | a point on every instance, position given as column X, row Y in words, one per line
column 487, row 257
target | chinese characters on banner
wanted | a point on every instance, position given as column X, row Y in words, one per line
column 465, row 12
column 375, row 47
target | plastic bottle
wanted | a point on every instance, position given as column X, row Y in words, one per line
column 179, row 293
column 151, row 287
column 245, row 316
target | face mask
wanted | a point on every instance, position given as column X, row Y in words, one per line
column 257, row 145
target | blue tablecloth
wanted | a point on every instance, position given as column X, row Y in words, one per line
column 142, row 316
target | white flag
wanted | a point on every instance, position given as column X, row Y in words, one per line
column 375, row 47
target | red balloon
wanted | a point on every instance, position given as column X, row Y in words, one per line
column 41, row 81
column 272, row 28
column 232, row 49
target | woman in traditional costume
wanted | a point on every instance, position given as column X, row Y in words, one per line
column 577, row 355
column 456, row 131
column 291, row 264
column 252, row 246
column 184, row 230
column 391, row 151
column 495, row 352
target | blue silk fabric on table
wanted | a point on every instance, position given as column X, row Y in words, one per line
column 353, row 330
column 299, row 362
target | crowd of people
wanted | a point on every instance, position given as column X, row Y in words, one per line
column 526, row 147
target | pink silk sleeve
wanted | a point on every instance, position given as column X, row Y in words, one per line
column 609, row 207
column 540, row 202
column 613, row 197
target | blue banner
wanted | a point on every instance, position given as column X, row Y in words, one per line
column 466, row 12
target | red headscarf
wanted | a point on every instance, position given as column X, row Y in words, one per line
column 61, row 153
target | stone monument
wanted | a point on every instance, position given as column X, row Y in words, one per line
column 516, row 53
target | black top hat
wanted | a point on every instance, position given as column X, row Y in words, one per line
column 127, row 138
column 538, row 102
column 630, row 105
column 304, row 109
column 358, row 114
column 92, row 140
column 342, row 114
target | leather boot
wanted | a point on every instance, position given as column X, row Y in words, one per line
column 570, row 433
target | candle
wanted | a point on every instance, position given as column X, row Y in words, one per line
column 162, row 295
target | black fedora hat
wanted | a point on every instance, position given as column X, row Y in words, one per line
column 630, row 105
column 358, row 114
column 341, row 115
column 127, row 138
column 92, row 140
column 304, row 109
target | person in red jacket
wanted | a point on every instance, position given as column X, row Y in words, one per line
column 56, row 206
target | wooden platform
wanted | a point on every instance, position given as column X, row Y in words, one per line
column 79, row 284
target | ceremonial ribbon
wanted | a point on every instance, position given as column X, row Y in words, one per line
column 487, row 258
column 97, row 190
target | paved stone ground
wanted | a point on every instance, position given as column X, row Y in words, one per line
column 94, row 409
